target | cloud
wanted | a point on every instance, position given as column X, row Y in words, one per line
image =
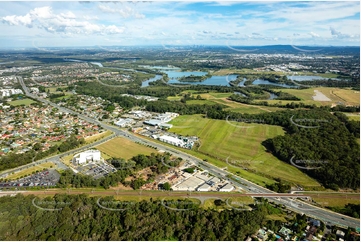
column 127, row 12
column 314, row 34
column 340, row 35
column 63, row 23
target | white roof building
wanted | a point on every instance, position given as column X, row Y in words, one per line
column 203, row 188
column 226, row 188
column 188, row 185
column 86, row 156
column 171, row 140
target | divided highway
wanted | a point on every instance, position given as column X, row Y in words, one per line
column 297, row 206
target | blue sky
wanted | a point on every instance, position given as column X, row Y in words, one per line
column 70, row 23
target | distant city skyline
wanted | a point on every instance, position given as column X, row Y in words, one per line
column 73, row 24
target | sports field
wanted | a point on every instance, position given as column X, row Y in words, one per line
column 240, row 143
column 25, row 102
column 124, row 148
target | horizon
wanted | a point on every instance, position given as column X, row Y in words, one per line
column 175, row 23
column 162, row 46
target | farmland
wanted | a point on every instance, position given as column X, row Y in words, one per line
column 240, row 143
column 124, row 148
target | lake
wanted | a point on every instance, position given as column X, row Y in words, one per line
column 265, row 82
column 156, row 78
column 309, row 78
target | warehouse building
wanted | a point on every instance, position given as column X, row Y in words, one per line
column 188, row 185
column 172, row 140
column 203, row 188
column 87, row 156
column 226, row 188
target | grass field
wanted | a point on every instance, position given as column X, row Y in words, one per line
column 225, row 141
column 353, row 116
column 346, row 96
column 96, row 137
column 25, row 102
column 336, row 202
column 124, row 148
column 29, row 171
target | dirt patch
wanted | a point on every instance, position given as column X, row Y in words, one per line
column 319, row 96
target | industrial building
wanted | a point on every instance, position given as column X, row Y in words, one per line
column 124, row 122
column 172, row 140
column 188, row 185
column 203, row 188
column 86, row 156
column 226, row 188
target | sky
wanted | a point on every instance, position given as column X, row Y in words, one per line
column 104, row 24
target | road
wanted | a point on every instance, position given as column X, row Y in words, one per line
column 296, row 206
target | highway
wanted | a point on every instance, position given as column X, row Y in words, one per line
column 295, row 205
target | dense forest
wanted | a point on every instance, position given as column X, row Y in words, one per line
column 83, row 219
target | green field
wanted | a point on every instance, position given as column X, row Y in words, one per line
column 225, row 141
column 347, row 96
column 353, row 116
column 124, row 148
column 25, row 101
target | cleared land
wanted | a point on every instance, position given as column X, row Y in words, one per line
column 346, row 96
column 96, row 137
column 319, row 96
column 124, row 148
column 25, row 101
column 233, row 142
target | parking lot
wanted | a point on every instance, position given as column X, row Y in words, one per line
column 48, row 178
column 96, row 169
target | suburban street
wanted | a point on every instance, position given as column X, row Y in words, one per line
column 252, row 189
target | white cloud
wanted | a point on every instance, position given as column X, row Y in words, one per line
column 340, row 35
column 314, row 34
column 63, row 23
column 127, row 12
column 18, row 20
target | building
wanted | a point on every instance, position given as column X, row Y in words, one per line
column 165, row 126
column 188, row 185
column 213, row 181
column 226, row 188
column 86, row 156
column 124, row 122
column 172, row 140
column 153, row 122
column 203, row 188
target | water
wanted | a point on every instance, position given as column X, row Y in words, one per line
column 241, row 84
column 73, row 60
column 265, row 82
column 272, row 96
column 214, row 80
column 309, row 78
column 173, row 75
column 97, row 63
column 94, row 63
column 156, row 78
column 162, row 67
column 239, row 93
